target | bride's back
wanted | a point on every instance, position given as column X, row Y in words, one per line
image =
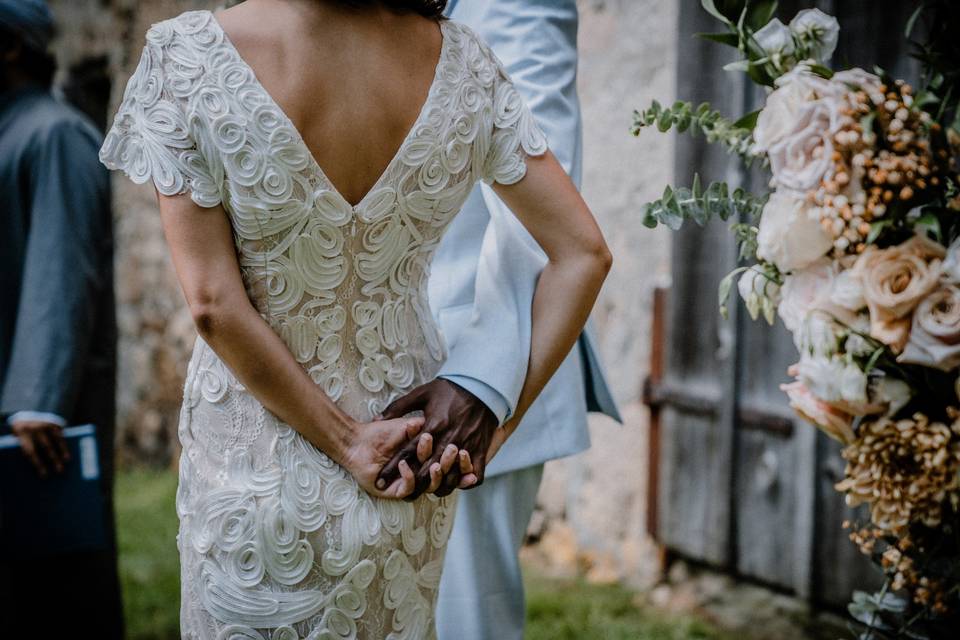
column 352, row 81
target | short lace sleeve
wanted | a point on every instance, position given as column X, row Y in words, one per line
column 153, row 136
column 515, row 136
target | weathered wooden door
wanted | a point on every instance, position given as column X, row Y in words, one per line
column 742, row 484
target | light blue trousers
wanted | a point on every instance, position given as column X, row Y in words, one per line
column 481, row 589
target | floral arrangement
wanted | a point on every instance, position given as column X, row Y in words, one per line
column 856, row 247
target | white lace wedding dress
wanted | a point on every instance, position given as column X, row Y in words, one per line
column 277, row 542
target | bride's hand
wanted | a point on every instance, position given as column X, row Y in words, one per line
column 376, row 442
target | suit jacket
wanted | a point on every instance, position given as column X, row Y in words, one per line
column 57, row 322
column 486, row 267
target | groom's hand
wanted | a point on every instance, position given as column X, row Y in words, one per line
column 453, row 416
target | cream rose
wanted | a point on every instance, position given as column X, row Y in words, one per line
column 790, row 234
column 796, row 127
column 895, row 280
column 834, row 422
column 935, row 333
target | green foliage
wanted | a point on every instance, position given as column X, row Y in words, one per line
column 746, row 237
column 936, row 21
column 149, row 565
column 700, row 205
column 702, row 119
column 575, row 610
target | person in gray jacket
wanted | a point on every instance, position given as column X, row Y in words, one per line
column 57, row 321
column 481, row 289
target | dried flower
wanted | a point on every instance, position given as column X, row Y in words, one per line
column 905, row 470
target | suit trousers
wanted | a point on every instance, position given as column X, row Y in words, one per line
column 481, row 589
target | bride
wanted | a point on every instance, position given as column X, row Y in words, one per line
column 308, row 155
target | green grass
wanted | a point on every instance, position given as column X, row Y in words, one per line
column 149, row 565
column 557, row 609
column 573, row 610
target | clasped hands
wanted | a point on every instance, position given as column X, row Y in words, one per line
column 447, row 448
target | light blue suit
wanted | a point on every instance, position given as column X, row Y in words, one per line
column 481, row 289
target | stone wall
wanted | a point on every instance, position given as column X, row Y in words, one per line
column 591, row 506
column 156, row 333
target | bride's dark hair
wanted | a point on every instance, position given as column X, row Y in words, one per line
column 427, row 8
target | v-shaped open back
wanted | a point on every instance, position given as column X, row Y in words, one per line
column 300, row 139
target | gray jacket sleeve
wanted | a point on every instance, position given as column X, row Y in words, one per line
column 62, row 274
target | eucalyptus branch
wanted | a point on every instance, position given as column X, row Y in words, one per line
column 683, row 116
column 700, row 205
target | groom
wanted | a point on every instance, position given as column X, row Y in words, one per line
column 484, row 275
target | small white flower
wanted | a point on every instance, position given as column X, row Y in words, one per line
column 857, row 345
column 775, row 38
column 818, row 31
column 892, row 392
column 760, row 293
column 822, row 376
column 818, row 335
column 853, row 384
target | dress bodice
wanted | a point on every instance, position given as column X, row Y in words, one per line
column 344, row 286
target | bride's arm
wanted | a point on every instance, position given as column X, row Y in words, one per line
column 204, row 256
column 550, row 207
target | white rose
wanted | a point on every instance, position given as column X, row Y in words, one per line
column 818, row 31
column 796, row 126
column 869, row 82
column 790, row 234
column 775, row 38
column 847, row 291
column 805, row 291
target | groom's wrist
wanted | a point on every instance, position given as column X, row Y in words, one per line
column 483, row 392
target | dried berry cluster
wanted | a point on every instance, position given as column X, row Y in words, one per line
column 898, row 562
column 883, row 155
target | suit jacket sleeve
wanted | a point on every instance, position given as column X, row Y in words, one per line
column 536, row 42
column 62, row 275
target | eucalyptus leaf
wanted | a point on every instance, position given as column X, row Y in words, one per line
column 876, row 228
column 700, row 205
column 759, row 13
column 730, row 39
column 820, row 70
column 710, row 7
column 749, row 121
